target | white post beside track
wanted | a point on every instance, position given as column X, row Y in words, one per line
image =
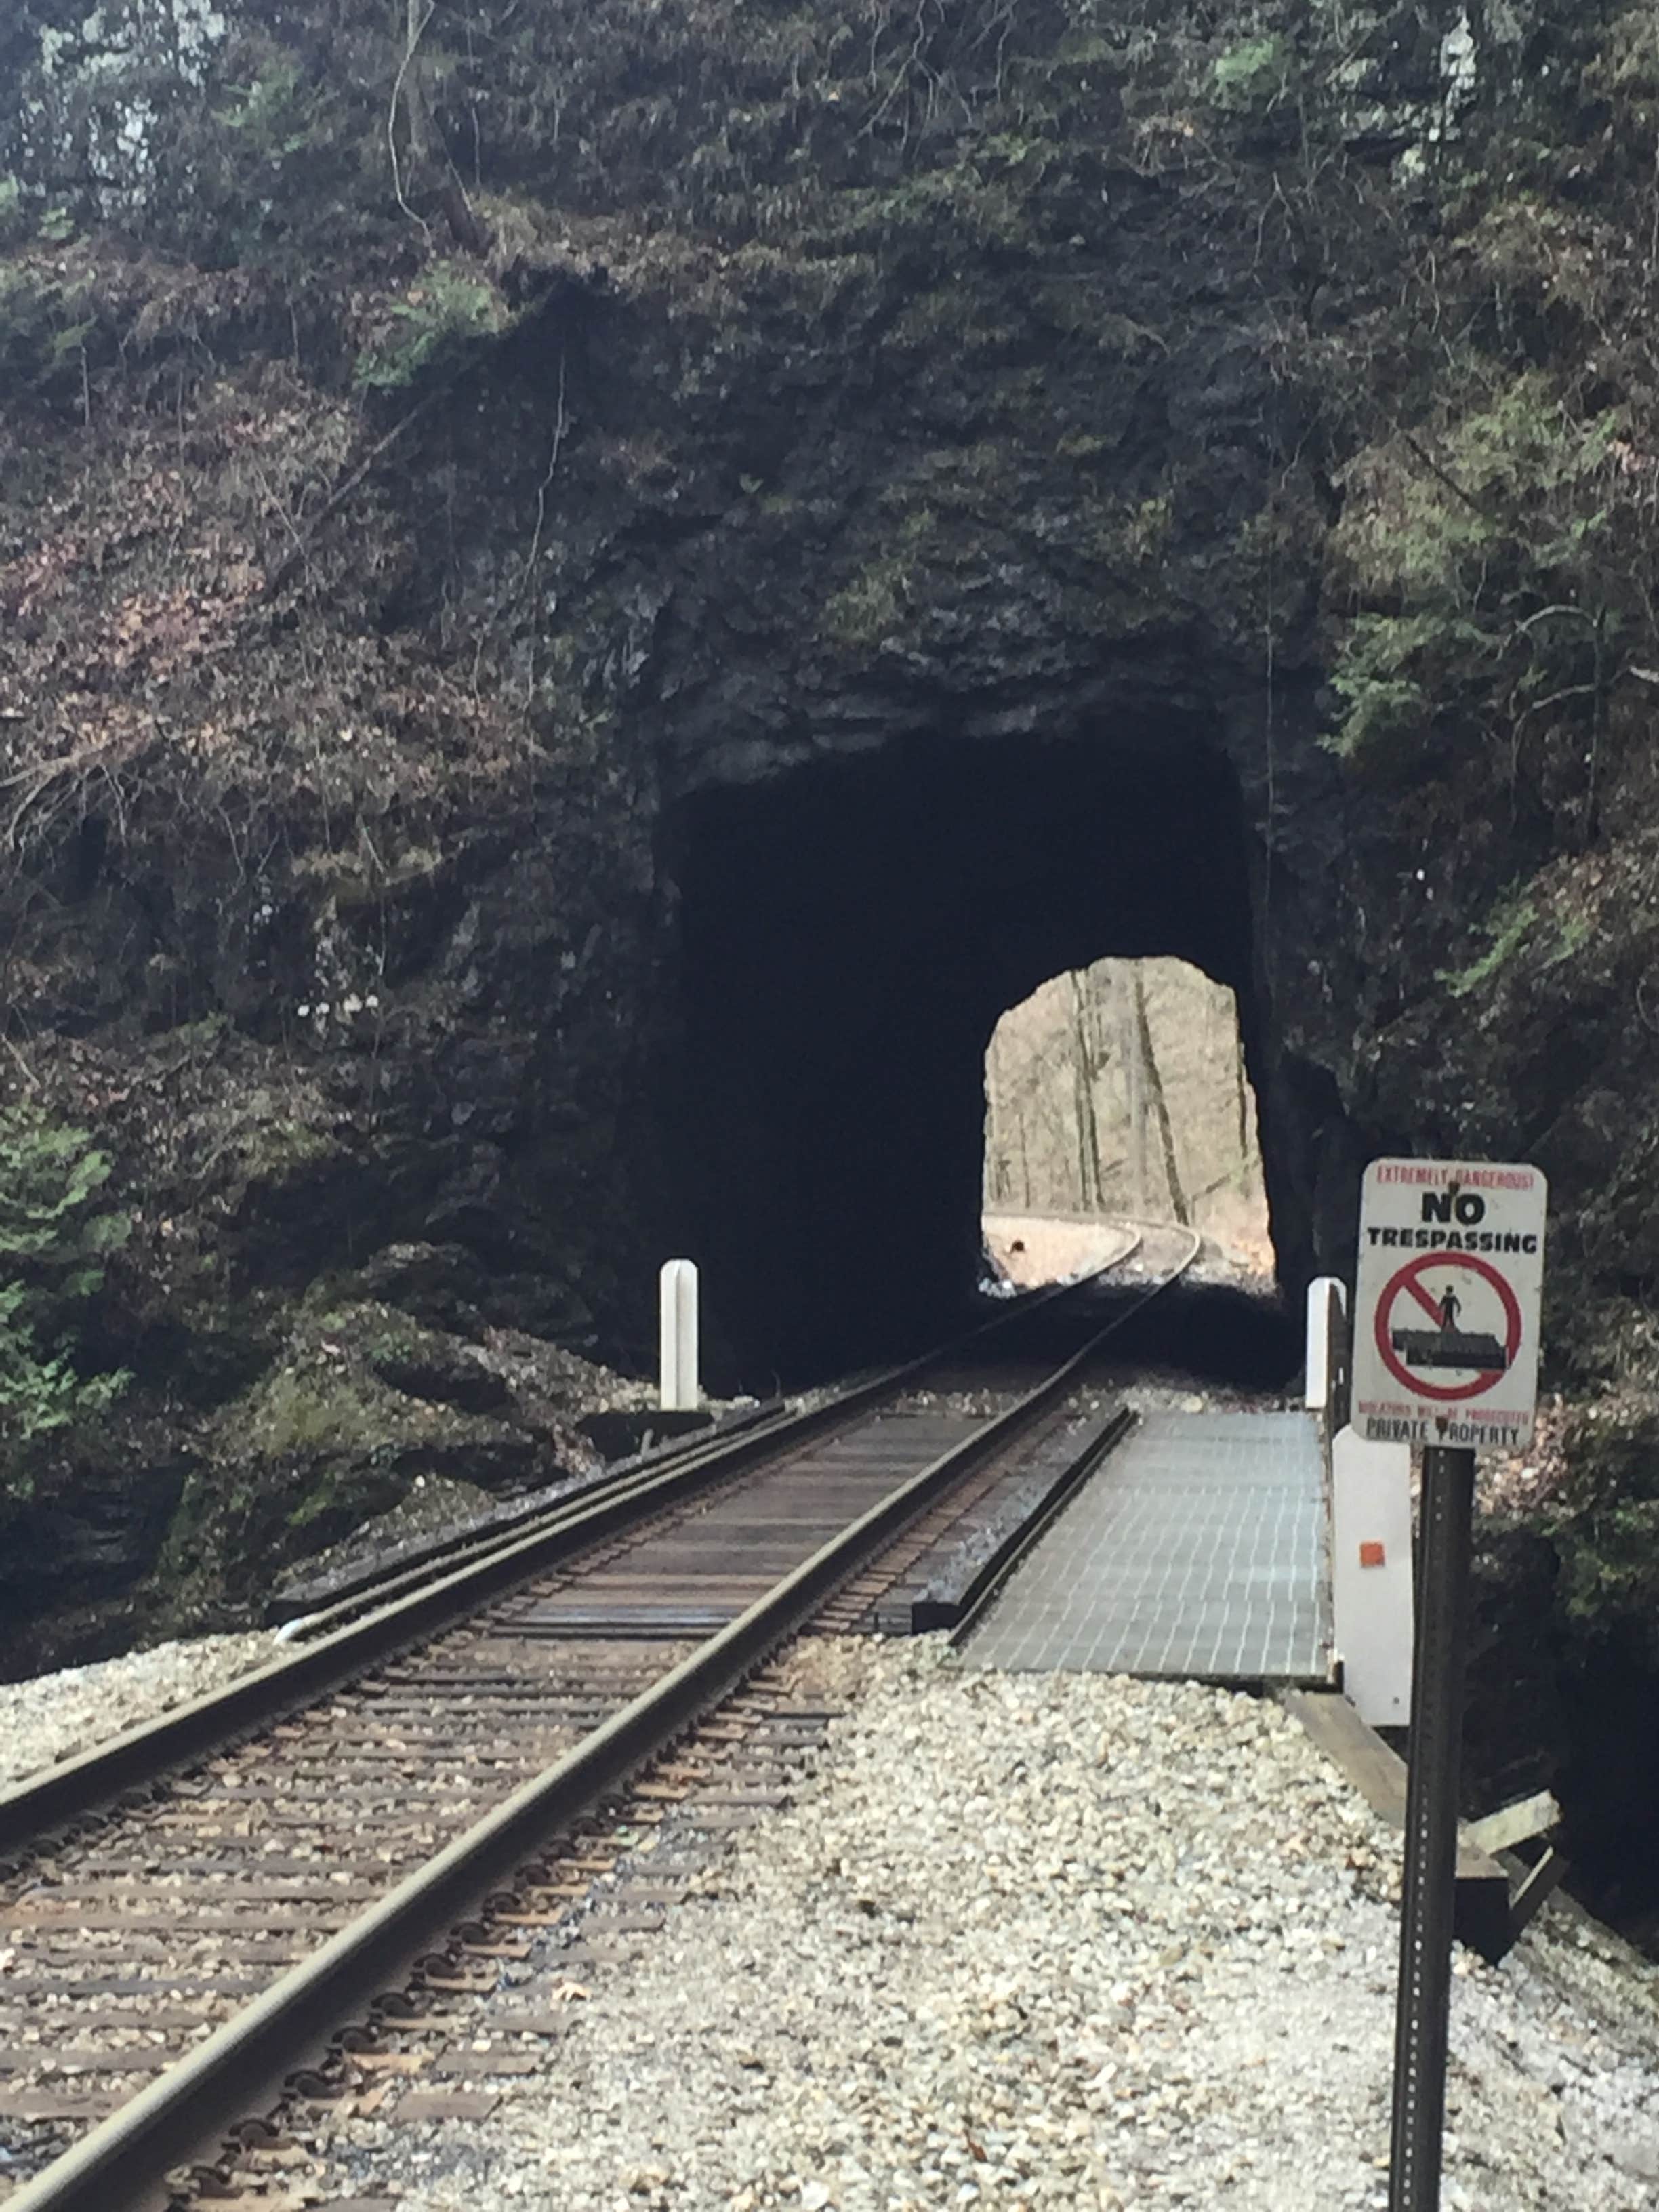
column 1320, row 1291
column 680, row 1393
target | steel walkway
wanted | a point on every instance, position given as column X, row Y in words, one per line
column 1198, row 1549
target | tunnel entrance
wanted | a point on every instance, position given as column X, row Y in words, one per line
column 852, row 929
column 1119, row 1091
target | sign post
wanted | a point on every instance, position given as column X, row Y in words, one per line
column 1446, row 1320
column 1422, row 2023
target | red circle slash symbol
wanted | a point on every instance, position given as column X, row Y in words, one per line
column 1407, row 1279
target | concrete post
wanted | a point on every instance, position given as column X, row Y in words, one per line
column 1320, row 1291
column 681, row 1392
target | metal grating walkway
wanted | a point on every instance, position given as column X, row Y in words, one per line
column 1198, row 1549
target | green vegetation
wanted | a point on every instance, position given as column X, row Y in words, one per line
column 278, row 114
column 302, row 1412
column 47, row 317
column 1480, row 553
column 1251, row 75
column 1385, row 677
column 1606, row 1527
column 448, row 304
column 1609, row 1566
column 872, row 607
column 1506, row 929
column 56, row 1234
column 1575, row 933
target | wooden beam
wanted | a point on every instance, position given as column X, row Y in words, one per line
column 1482, row 1911
column 1540, row 1882
column 1375, row 1771
column 1515, row 1824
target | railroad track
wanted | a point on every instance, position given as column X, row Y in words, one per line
column 199, row 1909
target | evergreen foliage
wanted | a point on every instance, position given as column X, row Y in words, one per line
column 1254, row 73
column 56, row 1234
column 1512, row 922
column 448, row 305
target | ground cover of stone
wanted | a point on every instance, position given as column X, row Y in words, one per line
column 53, row 1716
column 1026, row 1941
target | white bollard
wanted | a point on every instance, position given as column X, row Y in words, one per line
column 1320, row 1291
column 680, row 1391
column 1371, row 1575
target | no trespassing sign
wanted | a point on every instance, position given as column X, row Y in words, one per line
column 1446, row 1303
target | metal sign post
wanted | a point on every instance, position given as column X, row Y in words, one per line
column 1423, row 2008
column 1446, row 1356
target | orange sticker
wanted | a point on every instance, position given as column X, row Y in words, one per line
column 1371, row 1555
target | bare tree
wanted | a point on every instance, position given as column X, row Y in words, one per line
column 1135, row 1089
column 1084, row 1068
column 1105, row 1098
column 409, row 97
column 1154, row 1092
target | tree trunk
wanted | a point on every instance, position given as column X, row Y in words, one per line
column 1134, row 1089
column 1154, row 1086
column 416, row 16
column 1088, row 1131
column 996, row 1145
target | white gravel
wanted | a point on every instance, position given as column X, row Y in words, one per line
column 1059, row 1941
column 53, row 1716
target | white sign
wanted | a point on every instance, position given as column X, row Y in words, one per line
column 1446, row 1307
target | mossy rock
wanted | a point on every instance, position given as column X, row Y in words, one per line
column 421, row 1362
column 442, row 1286
column 319, row 1445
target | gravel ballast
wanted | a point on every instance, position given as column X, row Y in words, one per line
column 1047, row 1940
column 53, row 1716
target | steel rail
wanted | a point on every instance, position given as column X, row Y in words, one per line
column 148, row 1753
column 123, row 2162
column 772, row 1419
column 144, row 1756
column 356, row 1588
column 470, row 1546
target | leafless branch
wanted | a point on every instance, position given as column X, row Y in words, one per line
column 560, row 422
column 415, row 29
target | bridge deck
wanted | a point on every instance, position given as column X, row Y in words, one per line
column 1198, row 1549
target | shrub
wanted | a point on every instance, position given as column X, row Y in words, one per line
column 278, row 114
column 56, row 1234
column 1479, row 559
column 46, row 317
column 448, row 304
column 1513, row 921
column 1251, row 76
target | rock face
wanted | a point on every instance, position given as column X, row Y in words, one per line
column 564, row 661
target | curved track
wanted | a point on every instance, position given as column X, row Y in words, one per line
column 171, row 1959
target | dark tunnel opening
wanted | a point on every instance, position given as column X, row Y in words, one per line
column 850, row 931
